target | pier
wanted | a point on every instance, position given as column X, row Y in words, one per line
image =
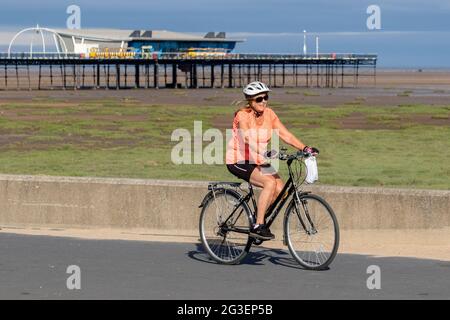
column 25, row 71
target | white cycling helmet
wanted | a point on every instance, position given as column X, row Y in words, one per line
column 255, row 88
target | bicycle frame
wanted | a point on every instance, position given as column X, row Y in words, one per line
column 288, row 190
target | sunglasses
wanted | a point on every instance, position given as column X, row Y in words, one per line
column 260, row 99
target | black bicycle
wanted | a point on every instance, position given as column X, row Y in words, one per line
column 311, row 230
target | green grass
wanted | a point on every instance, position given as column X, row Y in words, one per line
column 405, row 93
column 310, row 94
column 113, row 138
column 292, row 92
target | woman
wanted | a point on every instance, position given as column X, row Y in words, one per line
column 252, row 129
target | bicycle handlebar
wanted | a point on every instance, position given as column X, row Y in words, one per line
column 298, row 155
column 283, row 156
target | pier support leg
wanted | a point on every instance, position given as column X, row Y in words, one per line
column 357, row 73
column 137, row 76
column 195, row 76
column 28, row 74
column 275, row 75
column 203, row 75
column 117, row 76
column 230, row 76
column 39, row 77
column 147, row 76
column 108, row 73
column 17, row 76
column 6, row 76
column 63, row 75
column 82, row 76
column 174, row 76
column 222, row 71
column 51, row 76
column 74, row 77
column 97, row 74
column 240, row 75
column 165, row 75
column 318, row 76
column 126, row 76
column 295, row 72
column 156, row 75
column 375, row 75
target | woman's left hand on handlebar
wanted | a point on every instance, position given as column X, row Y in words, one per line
column 311, row 150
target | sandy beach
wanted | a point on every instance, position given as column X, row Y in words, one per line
column 392, row 87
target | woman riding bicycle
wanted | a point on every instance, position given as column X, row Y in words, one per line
column 253, row 126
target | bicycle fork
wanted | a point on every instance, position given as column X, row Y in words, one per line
column 301, row 205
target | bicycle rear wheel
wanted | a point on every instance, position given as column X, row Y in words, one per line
column 224, row 226
column 312, row 232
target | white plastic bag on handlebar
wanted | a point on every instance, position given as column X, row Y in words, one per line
column 312, row 174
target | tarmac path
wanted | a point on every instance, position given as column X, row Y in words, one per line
column 36, row 267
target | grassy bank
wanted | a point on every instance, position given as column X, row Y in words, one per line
column 396, row 146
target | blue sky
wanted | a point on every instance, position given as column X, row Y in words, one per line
column 413, row 33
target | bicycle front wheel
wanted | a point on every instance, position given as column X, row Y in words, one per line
column 312, row 232
column 224, row 226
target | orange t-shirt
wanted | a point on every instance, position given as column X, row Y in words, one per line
column 258, row 133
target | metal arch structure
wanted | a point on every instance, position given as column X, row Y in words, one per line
column 40, row 30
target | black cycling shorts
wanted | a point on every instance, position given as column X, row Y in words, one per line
column 244, row 170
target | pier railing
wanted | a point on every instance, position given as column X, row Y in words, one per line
column 185, row 56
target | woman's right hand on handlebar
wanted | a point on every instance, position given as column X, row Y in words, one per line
column 272, row 154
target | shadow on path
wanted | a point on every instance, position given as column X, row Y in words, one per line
column 257, row 256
